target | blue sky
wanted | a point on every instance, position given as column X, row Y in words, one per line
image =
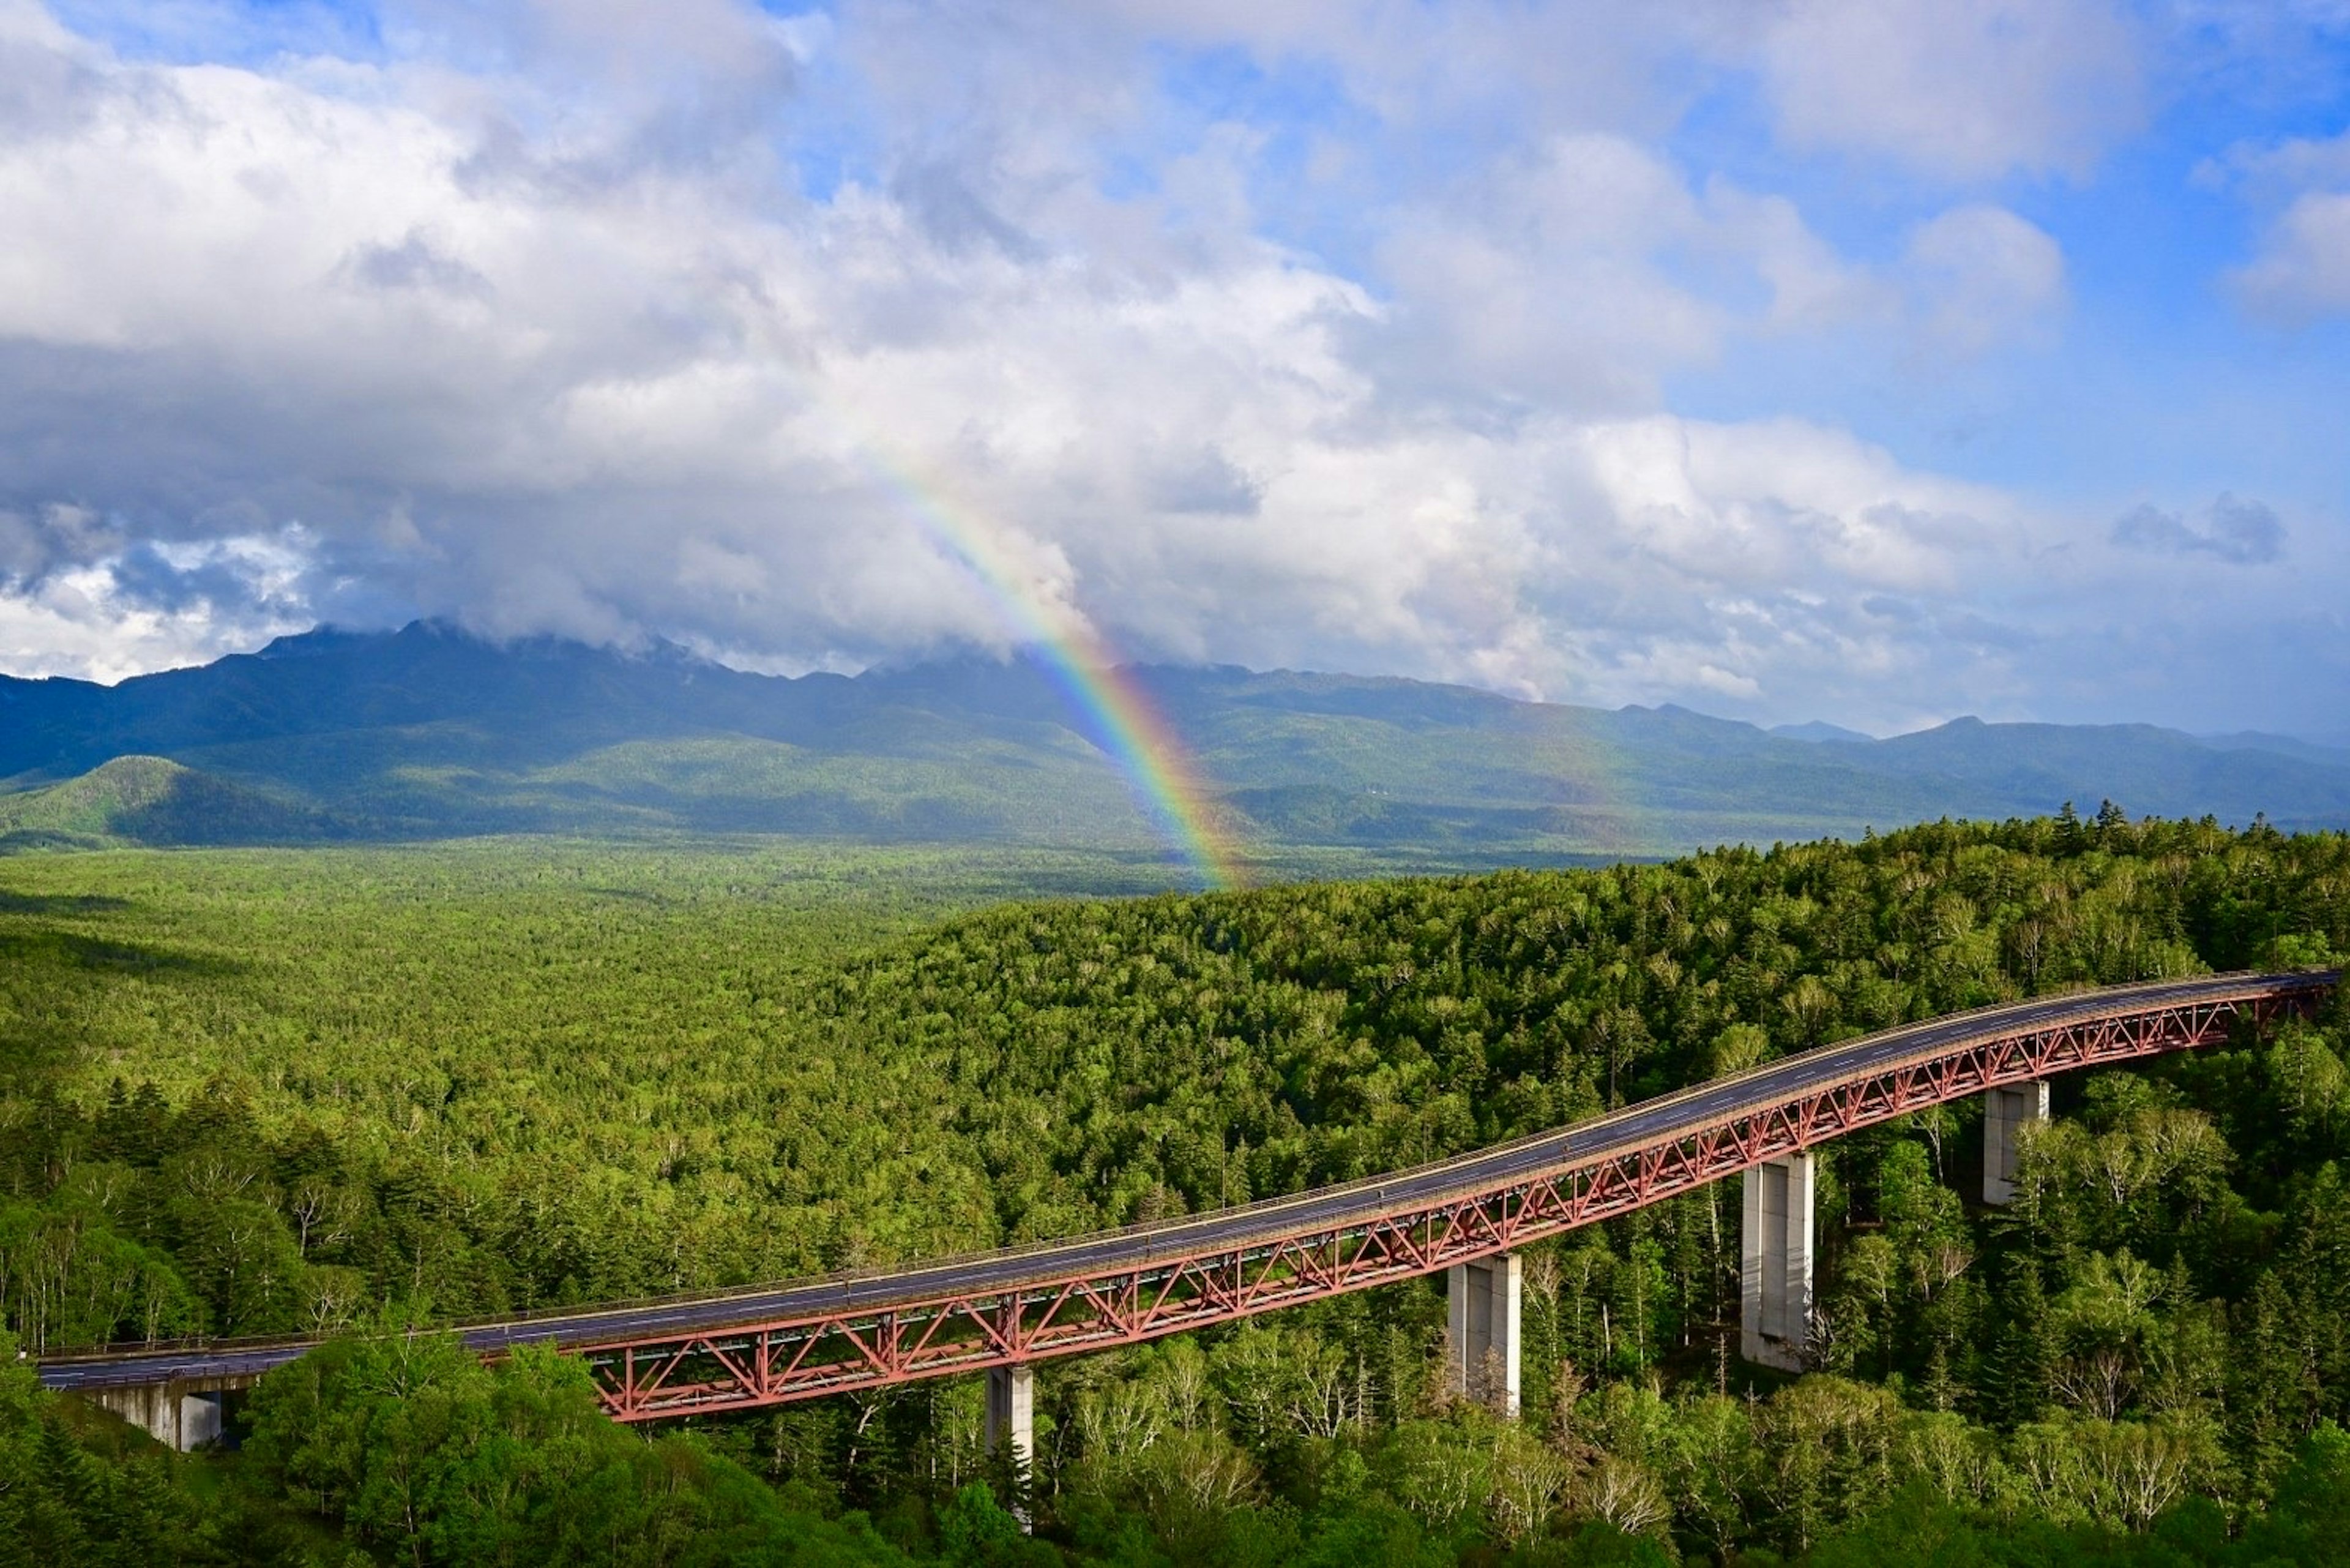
column 2152, row 342
column 1877, row 362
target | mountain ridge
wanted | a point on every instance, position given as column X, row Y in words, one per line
column 429, row 732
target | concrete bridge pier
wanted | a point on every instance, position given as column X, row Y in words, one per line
column 1011, row 1419
column 2006, row 1109
column 1482, row 1309
column 1774, row 1316
column 172, row 1413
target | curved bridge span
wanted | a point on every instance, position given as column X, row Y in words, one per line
column 1009, row 1308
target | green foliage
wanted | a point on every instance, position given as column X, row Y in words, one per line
column 423, row 1455
column 977, row 1532
column 257, row 1092
column 150, row 800
column 59, row 1503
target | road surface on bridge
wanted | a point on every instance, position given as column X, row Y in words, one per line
column 1718, row 1104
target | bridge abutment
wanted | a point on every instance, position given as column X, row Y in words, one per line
column 1482, row 1308
column 1775, row 1318
column 171, row 1413
column 2005, row 1111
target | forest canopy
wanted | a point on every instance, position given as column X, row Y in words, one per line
column 266, row 1093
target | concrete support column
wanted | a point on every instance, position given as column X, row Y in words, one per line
column 1481, row 1305
column 165, row 1411
column 1774, row 1316
column 2006, row 1109
column 1011, row 1419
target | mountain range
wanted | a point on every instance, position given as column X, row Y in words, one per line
column 431, row 733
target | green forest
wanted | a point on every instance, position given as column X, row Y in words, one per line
column 361, row 1092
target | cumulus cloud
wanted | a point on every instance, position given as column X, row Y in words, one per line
column 143, row 607
column 2300, row 268
column 1545, row 282
column 1962, row 89
column 1583, row 273
column 2287, row 166
column 57, row 537
column 563, row 404
column 2304, row 265
column 1980, row 276
column 2241, row 533
column 755, row 333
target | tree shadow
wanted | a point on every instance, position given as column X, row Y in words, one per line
column 59, row 903
column 25, row 944
column 73, row 949
column 40, row 963
column 631, row 895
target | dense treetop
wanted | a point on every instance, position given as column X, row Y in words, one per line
column 262, row 1093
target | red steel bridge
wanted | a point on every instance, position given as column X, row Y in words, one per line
column 1008, row 1308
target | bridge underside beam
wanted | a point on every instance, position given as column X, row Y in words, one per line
column 2006, row 1109
column 1482, row 1308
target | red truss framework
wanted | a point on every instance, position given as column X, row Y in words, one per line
column 1062, row 1314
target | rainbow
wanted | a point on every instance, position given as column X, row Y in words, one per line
column 1125, row 721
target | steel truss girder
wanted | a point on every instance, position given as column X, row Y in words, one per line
column 772, row 1363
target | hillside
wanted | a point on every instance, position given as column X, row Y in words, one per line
column 136, row 800
column 427, row 732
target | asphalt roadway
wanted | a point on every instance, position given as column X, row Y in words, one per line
column 1687, row 1111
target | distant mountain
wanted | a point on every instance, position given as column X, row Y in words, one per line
column 2283, row 745
column 428, row 733
column 2144, row 767
column 1817, row 730
column 152, row 801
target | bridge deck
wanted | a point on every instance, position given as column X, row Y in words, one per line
column 1737, row 1119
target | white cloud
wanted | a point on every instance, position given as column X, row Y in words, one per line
column 1562, row 67
column 1583, row 274
column 2288, row 166
column 139, row 608
column 1744, row 558
column 2303, row 268
column 1962, row 89
column 1981, row 275
column 362, row 340
column 1545, row 282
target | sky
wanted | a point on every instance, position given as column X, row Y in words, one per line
column 1878, row 361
